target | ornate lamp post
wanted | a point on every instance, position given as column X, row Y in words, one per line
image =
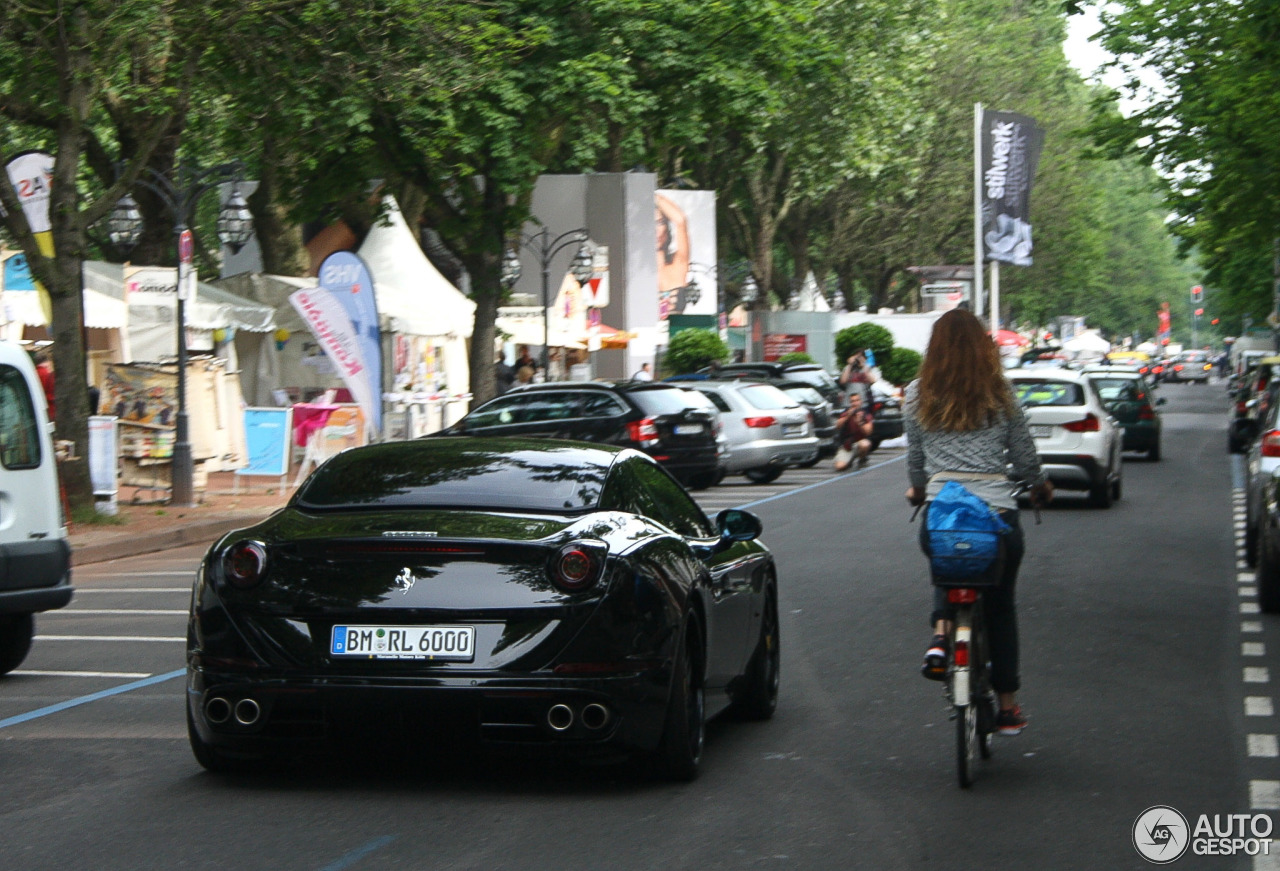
column 235, row 226
column 545, row 247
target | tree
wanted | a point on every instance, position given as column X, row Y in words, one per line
column 692, row 349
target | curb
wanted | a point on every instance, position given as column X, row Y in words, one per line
column 204, row 532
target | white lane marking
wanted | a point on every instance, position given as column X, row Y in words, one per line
column 1248, row 592
column 1263, row 745
column 105, row 638
column 1259, row 706
column 1256, row 674
column 1253, row 648
column 1250, row 626
column 80, row 591
column 1241, row 564
column 76, row 612
column 120, row 674
column 1250, row 608
column 1264, row 795
column 1246, row 577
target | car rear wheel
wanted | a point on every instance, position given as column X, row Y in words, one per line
column 702, row 480
column 1100, row 494
column 759, row 697
column 763, row 475
column 1153, row 453
column 1116, row 487
column 1250, row 543
column 16, row 631
column 685, row 731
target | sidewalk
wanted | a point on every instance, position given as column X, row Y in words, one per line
column 148, row 525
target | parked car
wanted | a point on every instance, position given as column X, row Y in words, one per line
column 1262, row 509
column 811, row 373
column 768, row 431
column 1078, row 441
column 824, row 417
column 1131, row 400
column 657, row 418
column 1193, row 366
column 565, row 597
column 35, row 558
column 1252, row 397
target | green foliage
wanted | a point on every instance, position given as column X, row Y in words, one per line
column 693, row 349
column 796, row 357
column 853, row 339
column 902, row 366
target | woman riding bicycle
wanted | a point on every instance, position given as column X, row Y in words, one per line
column 964, row 424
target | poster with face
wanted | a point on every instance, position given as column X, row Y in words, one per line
column 686, row 248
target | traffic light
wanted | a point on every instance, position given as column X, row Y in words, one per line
column 1197, row 294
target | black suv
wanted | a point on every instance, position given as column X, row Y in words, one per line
column 810, row 373
column 657, row 418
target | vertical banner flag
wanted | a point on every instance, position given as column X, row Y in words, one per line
column 31, row 174
column 329, row 322
column 345, row 276
column 1010, row 151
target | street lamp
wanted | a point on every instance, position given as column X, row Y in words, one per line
column 545, row 247
column 235, row 226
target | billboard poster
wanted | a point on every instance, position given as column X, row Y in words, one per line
column 138, row 394
column 345, row 276
column 777, row 345
column 328, row 321
column 686, row 250
column 268, row 432
column 1010, row 152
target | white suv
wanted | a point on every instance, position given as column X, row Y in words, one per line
column 1078, row 441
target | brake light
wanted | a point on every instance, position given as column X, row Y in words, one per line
column 1146, row 412
column 760, row 422
column 962, row 595
column 1177, row 368
column 1091, row 423
column 643, row 432
column 1271, row 444
column 578, row 565
column 245, row 564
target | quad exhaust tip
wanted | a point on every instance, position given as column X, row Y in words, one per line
column 217, row 710
column 560, row 717
column 595, row 716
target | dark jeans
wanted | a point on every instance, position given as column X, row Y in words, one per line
column 998, row 607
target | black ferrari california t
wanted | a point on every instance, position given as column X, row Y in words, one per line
column 515, row 591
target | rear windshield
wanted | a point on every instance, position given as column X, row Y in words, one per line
column 766, row 396
column 1117, row 389
column 1048, row 392
column 498, row 474
column 659, row 401
column 818, row 377
column 807, row 395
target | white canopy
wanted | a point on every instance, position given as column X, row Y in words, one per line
column 101, row 312
column 1088, row 342
column 410, row 290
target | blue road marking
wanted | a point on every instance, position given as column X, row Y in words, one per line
column 359, row 853
column 92, row 697
column 840, row 476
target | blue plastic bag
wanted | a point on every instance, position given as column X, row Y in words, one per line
column 871, row 358
column 964, row 533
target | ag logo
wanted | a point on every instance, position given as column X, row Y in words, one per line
column 1161, row 835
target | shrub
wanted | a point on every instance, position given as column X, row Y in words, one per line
column 902, row 367
column 692, row 349
column 850, row 340
column 796, row 357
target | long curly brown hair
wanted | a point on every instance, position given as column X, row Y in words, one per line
column 962, row 384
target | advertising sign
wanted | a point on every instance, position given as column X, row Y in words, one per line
column 686, row 249
column 103, row 438
column 777, row 345
column 328, row 321
column 345, row 276
column 267, row 433
column 31, row 174
column 1010, row 152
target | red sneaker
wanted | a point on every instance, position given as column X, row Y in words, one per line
column 1011, row 721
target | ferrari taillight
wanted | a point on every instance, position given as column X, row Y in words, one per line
column 578, row 565
column 1091, row 423
column 245, row 564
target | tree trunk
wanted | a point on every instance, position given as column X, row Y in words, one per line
column 279, row 236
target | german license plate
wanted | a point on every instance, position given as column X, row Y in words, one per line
column 1040, row 431
column 792, row 429
column 455, row 643
column 688, row 428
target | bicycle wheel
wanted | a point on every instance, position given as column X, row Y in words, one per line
column 983, row 697
column 966, row 714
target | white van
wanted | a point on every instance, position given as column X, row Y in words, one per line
column 35, row 558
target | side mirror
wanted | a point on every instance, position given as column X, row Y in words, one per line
column 737, row 525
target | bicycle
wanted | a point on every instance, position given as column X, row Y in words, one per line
column 968, row 682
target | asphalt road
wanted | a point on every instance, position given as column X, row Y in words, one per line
column 1132, row 631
